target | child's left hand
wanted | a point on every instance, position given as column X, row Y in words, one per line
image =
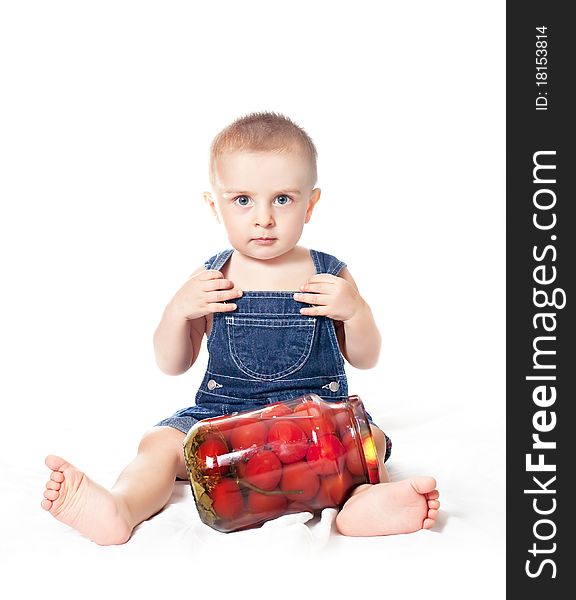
column 333, row 297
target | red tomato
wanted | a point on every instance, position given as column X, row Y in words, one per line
column 334, row 489
column 266, row 503
column 327, row 456
column 210, row 455
column 227, row 499
column 241, row 468
column 287, row 440
column 299, row 477
column 346, row 438
column 353, row 458
column 276, row 410
column 296, row 507
column 223, row 425
column 225, row 428
column 247, row 433
column 315, row 419
column 264, row 470
column 342, row 420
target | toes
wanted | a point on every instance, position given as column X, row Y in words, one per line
column 46, row 504
column 423, row 485
column 57, row 476
column 56, row 463
column 54, row 485
column 432, row 495
column 433, row 506
column 51, row 495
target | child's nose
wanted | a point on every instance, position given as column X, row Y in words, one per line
column 264, row 217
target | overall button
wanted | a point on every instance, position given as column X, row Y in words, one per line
column 212, row 384
column 334, row 386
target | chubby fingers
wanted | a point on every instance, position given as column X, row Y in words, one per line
column 322, row 278
column 217, row 284
column 316, row 290
column 320, row 284
column 219, row 289
column 215, row 280
column 210, row 274
column 315, row 311
column 319, row 299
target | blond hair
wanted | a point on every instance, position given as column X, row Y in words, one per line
column 262, row 131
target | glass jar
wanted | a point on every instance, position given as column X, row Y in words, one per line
column 303, row 454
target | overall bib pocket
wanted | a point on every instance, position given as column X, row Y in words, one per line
column 272, row 347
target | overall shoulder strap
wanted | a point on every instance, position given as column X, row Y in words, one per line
column 326, row 263
column 217, row 261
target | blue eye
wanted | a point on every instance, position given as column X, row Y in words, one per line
column 283, row 200
column 242, row 200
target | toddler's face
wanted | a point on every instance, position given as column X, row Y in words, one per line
column 263, row 195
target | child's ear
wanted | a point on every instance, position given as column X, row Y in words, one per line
column 210, row 202
column 314, row 197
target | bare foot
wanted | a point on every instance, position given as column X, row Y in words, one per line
column 81, row 503
column 390, row 508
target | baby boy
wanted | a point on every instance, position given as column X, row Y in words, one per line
column 263, row 177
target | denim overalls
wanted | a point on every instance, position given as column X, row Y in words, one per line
column 265, row 351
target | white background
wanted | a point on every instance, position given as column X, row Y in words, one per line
column 107, row 113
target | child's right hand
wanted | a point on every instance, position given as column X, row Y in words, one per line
column 204, row 293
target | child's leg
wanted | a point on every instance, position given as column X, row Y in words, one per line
column 146, row 484
column 142, row 489
column 389, row 507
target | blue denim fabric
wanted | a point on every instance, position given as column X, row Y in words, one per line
column 265, row 351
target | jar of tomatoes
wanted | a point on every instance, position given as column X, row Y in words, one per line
column 303, row 454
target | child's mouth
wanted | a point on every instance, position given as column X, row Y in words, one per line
column 264, row 241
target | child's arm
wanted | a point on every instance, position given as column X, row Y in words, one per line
column 178, row 337
column 359, row 337
column 339, row 299
column 177, row 340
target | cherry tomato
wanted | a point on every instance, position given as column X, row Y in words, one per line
column 264, row 470
column 223, row 425
column 334, row 489
column 266, row 503
column 314, row 419
column 240, row 468
column 353, row 459
column 248, row 432
column 327, row 455
column 275, row 410
column 225, row 433
column 342, row 421
column 227, row 500
column 287, row 440
column 296, row 477
column 210, row 456
column 296, row 507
